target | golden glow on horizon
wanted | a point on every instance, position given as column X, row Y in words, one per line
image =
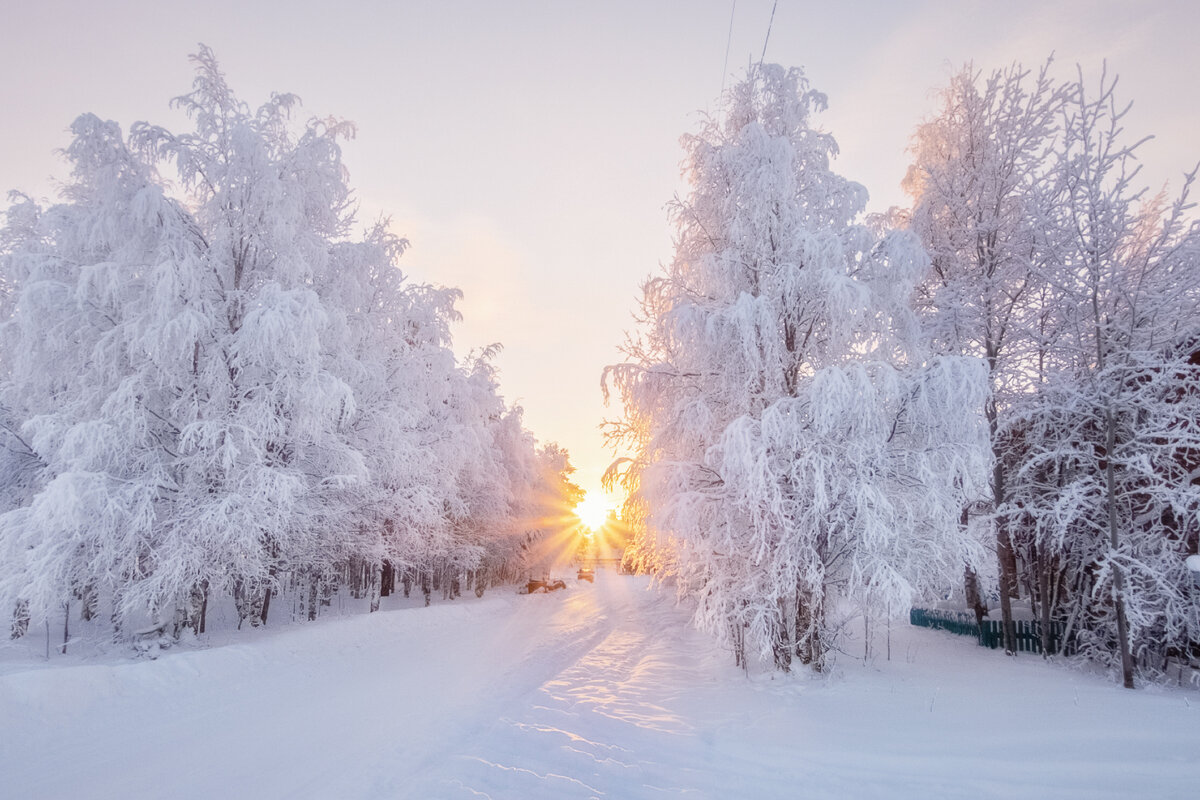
column 572, row 535
column 593, row 511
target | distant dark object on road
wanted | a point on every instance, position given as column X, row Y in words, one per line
column 546, row 585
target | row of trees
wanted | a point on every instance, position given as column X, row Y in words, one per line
column 210, row 387
column 1081, row 292
column 830, row 417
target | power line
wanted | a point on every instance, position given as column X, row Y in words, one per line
column 767, row 38
column 728, row 39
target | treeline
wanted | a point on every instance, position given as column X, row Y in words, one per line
column 209, row 387
column 831, row 417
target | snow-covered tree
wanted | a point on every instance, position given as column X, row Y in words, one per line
column 1079, row 290
column 97, row 350
column 979, row 170
column 1109, row 477
column 794, row 442
column 214, row 388
column 259, row 448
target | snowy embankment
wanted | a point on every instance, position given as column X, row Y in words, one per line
column 598, row 691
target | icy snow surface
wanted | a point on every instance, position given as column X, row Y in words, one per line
column 596, row 691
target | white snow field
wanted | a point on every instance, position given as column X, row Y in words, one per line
column 596, row 691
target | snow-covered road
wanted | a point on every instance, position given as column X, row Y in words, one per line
column 597, row 691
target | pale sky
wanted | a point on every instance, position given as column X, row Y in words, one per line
column 527, row 149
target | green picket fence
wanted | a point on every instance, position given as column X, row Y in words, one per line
column 1028, row 635
column 991, row 634
column 952, row 621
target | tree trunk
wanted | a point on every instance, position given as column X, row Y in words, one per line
column 312, row 596
column 1114, row 542
column 239, row 602
column 974, row 599
column 738, row 630
column 117, row 619
column 388, row 581
column 266, row 603
column 808, row 632
column 784, row 638
column 1004, row 553
column 20, row 620
column 89, row 598
column 375, row 585
column 971, row 579
column 1043, row 576
column 1006, row 559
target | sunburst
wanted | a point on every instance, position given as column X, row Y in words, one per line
column 593, row 511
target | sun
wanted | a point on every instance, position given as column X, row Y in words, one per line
column 593, row 511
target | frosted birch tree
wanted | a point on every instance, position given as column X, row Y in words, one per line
column 97, row 345
column 1112, row 448
column 979, row 168
column 259, row 449
column 794, row 443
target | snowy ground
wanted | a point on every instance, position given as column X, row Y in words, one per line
column 597, row 691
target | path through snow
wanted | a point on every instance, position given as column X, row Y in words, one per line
column 598, row 691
